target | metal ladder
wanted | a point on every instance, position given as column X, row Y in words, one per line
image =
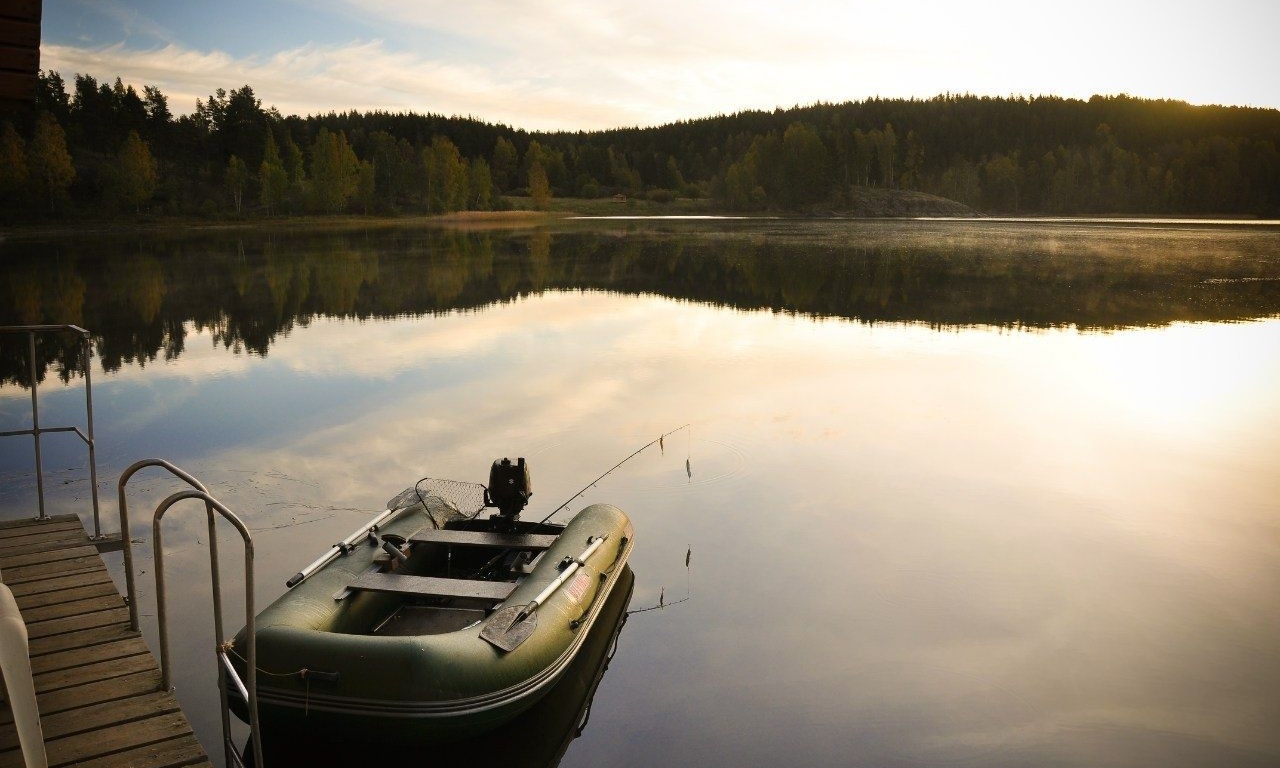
column 226, row 672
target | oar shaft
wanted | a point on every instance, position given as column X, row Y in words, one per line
column 337, row 549
column 569, row 570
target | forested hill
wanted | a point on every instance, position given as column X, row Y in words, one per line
column 94, row 148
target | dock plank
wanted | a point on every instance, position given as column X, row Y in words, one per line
column 97, row 683
column 81, row 639
column 92, row 673
column 114, row 690
column 17, row 560
column 39, row 629
column 91, row 654
column 28, row 525
column 174, row 753
column 80, row 565
column 69, row 594
column 39, row 542
column 73, row 607
column 91, row 718
column 57, row 583
column 73, row 750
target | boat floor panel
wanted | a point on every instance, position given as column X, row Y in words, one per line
column 431, row 586
column 412, row 620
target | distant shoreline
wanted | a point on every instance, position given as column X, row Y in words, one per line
column 884, row 204
column 460, row 220
column 870, row 203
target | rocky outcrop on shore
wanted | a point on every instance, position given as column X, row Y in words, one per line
column 874, row 202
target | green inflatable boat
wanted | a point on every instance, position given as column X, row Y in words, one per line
column 433, row 622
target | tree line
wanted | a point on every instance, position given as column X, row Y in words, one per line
column 106, row 148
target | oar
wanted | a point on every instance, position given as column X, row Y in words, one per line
column 395, row 506
column 511, row 626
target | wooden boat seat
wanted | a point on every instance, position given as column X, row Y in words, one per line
column 430, row 586
column 535, row 541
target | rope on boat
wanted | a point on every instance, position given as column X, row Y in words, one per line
column 228, row 647
column 303, row 673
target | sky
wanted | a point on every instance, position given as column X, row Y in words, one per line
column 577, row 65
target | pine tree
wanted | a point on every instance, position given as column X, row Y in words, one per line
column 51, row 95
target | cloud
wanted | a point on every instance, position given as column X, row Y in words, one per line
column 129, row 20
column 573, row 65
column 362, row 75
column 533, row 65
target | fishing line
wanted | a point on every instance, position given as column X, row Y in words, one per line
column 587, row 487
column 688, row 470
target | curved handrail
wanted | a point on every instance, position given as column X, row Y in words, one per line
column 128, row 547
column 251, row 656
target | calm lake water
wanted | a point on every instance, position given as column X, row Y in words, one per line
column 979, row 493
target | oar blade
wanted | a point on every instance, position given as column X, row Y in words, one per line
column 506, row 630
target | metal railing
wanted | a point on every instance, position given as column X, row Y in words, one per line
column 226, row 671
column 36, row 430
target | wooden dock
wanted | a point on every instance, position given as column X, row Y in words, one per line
column 97, row 684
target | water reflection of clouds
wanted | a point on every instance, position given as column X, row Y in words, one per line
column 340, row 346
column 910, row 545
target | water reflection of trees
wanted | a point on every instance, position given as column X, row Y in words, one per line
column 141, row 299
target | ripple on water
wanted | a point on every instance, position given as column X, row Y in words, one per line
column 705, row 463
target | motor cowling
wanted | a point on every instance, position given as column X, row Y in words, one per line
column 510, row 487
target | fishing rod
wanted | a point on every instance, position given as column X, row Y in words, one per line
column 587, row 487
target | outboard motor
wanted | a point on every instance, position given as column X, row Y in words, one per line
column 509, row 490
